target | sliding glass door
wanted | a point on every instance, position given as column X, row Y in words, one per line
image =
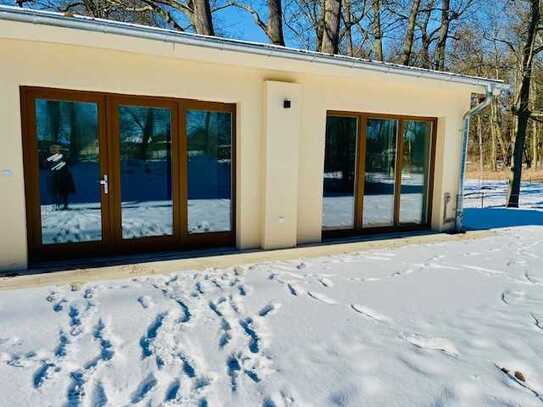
column 377, row 172
column 380, row 172
column 415, row 159
column 340, row 172
column 111, row 173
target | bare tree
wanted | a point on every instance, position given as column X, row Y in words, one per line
column 273, row 27
column 443, row 34
column 332, row 16
column 426, row 36
column 521, row 107
column 410, row 33
column 377, row 32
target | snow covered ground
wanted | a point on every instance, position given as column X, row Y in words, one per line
column 494, row 193
column 457, row 323
column 444, row 324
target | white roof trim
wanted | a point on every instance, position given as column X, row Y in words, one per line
column 160, row 34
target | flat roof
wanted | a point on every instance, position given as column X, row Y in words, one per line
column 56, row 19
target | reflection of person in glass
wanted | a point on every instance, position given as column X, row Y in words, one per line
column 61, row 182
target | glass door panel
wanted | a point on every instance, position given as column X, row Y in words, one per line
column 68, row 154
column 340, row 172
column 415, row 170
column 209, row 170
column 380, row 168
column 145, row 171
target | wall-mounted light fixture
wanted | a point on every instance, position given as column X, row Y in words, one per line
column 286, row 104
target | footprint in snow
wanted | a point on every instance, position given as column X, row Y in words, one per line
column 269, row 309
column 512, row 296
column 402, row 273
column 440, row 344
column 295, row 289
column 531, row 279
column 368, row 312
column 89, row 292
column 326, row 282
column 145, row 301
column 144, row 388
column 321, row 297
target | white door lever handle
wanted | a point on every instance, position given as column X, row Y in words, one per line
column 105, row 183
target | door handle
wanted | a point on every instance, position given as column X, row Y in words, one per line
column 105, row 183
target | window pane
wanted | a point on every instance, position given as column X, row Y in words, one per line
column 339, row 173
column 209, row 149
column 69, row 171
column 146, row 178
column 380, row 170
column 416, row 159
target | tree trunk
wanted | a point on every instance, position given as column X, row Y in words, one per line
column 376, row 27
column 535, row 143
column 410, row 33
column 533, row 152
column 275, row 22
column 443, row 35
column 523, row 106
column 319, row 26
column 147, row 133
column 53, row 118
column 425, row 37
column 347, row 16
column 201, row 17
column 75, row 137
column 330, row 38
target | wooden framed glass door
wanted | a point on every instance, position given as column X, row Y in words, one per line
column 378, row 173
column 112, row 174
column 66, row 167
column 145, row 181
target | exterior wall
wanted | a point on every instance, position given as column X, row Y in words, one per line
column 282, row 128
column 277, row 151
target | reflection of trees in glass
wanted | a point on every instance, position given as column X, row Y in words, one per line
column 70, row 125
column 416, row 142
column 53, row 119
column 340, row 154
column 381, row 146
column 144, row 133
column 209, row 133
column 67, row 150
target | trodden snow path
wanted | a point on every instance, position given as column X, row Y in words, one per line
column 426, row 325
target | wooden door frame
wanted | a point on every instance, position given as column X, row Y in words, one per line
column 226, row 238
column 109, row 164
column 36, row 248
column 362, row 119
column 143, row 242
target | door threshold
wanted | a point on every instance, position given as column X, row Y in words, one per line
column 49, row 266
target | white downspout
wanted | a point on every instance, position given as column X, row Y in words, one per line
column 491, row 93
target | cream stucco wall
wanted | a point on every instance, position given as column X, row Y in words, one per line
column 277, row 150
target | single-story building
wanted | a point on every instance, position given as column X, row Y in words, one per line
column 119, row 138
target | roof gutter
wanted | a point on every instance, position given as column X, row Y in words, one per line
column 491, row 93
column 170, row 36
